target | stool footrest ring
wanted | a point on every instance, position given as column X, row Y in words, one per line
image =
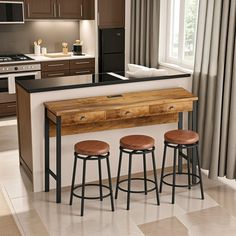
column 136, row 191
column 181, row 185
column 91, row 198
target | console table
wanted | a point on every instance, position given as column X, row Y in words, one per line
column 110, row 112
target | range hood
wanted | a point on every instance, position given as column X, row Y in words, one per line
column 11, row 12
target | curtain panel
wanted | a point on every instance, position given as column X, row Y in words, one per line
column 144, row 42
column 214, row 82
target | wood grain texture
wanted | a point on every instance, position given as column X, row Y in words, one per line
column 117, row 112
column 24, row 129
column 115, row 124
column 124, row 101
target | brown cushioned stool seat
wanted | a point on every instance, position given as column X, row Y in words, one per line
column 184, row 137
column 137, row 142
column 92, row 147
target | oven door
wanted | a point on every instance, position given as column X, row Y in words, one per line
column 21, row 76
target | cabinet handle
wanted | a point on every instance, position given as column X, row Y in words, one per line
column 82, row 72
column 127, row 113
column 81, row 10
column 81, row 63
column 56, row 74
column 10, row 106
column 59, row 10
column 53, row 65
column 171, row 108
column 28, row 9
column 54, row 10
column 82, row 118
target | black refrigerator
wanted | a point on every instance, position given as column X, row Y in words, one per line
column 111, row 52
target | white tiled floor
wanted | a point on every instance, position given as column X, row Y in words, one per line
column 38, row 214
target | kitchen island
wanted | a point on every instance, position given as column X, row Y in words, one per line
column 31, row 115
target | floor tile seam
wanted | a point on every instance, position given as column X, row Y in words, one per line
column 13, row 210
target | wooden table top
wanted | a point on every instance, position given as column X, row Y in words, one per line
column 103, row 103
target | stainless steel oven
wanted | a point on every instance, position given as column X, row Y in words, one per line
column 8, row 76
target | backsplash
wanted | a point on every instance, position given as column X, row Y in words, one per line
column 20, row 38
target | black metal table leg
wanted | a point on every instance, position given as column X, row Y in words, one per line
column 194, row 154
column 58, row 160
column 46, row 145
column 180, row 126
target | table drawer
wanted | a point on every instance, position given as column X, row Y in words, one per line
column 86, row 117
column 82, row 63
column 170, row 108
column 55, row 65
column 83, row 71
column 50, row 74
column 126, row 113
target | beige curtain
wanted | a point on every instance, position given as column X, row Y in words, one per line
column 145, row 32
column 215, row 84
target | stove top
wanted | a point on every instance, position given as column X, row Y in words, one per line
column 14, row 57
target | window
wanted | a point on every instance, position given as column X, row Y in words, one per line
column 179, row 35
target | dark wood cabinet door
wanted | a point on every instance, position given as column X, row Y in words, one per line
column 89, row 9
column 43, row 9
column 72, row 9
column 111, row 13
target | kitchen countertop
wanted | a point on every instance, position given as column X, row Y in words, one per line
column 41, row 58
column 82, row 81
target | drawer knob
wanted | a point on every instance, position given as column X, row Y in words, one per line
column 127, row 113
column 82, row 118
column 171, row 108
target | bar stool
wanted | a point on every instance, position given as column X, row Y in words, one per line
column 179, row 140
column 132, row 145
column 91, row 150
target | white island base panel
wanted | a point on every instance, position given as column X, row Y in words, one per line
column 110, row 136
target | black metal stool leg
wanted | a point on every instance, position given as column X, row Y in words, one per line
column 73, row 180
column 174, row 176
column 100, row 178
column 155, row 177
column 163, row 167
column 199, row 171
column 110, row 184
column 83, row 187
column 189, row 176
column 118, row 174
column 129, row 181
column 145, row 173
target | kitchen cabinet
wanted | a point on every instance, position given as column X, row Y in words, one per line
column 111, row 13
column 7, row 109
column 43, row 9
column 89, row 9
column 54, row 9
column 72, row 9
column 68, row 67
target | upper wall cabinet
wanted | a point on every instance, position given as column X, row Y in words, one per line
column 59, row 9
column 43, row 9
column 111, row 13
column 89, row 9
column 72, row 9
